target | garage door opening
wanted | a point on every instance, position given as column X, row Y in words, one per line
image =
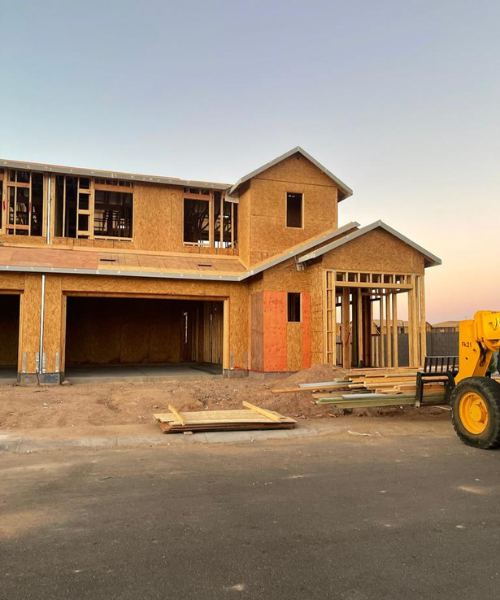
column 9, row 335
column 143, row 337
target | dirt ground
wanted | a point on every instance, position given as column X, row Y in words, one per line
column 27, row 407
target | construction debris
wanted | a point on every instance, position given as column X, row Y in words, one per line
column 223, row 420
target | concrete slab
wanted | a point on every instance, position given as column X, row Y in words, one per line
column 9, row 443
column 270, row 435
column 218, row 437
column 142, row 373
column 34, row 445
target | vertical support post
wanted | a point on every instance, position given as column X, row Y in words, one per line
column 416, row 321
column 346, row 321
column 395, row 348
column 329, row 318
column 423, row 322
column 388, row 327
column 225, row 336
column 411, row 358
column 359, row 299
column 382, row 336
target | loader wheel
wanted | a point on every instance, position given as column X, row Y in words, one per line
column 475, row 412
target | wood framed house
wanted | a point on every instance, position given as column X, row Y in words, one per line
column 100, row 268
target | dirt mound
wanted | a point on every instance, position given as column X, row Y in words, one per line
column 313, row 375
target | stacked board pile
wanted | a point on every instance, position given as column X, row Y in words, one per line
column 365, row 388
column 223, row 420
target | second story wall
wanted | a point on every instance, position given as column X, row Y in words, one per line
column 285, row 205
column 110, row 213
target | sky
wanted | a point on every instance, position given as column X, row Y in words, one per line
column 399, row 98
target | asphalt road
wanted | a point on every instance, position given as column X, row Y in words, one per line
column 338, row 517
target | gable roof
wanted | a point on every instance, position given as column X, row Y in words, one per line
column 431, row 259
column 346, row 190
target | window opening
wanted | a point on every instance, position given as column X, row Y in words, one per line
column 293, row 210
column 293, row 307
column 197, row 222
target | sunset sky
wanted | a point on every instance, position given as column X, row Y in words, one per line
column 401, row 100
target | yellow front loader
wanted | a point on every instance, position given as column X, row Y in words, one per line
column 475, row 399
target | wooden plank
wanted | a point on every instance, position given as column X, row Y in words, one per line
column 177, row 415
column 395, row 347
column 262, row 411
column 294, row 390
column 423, row 323
column 388, row 329
column 346, row 334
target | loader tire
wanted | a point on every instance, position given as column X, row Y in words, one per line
column 475, row 412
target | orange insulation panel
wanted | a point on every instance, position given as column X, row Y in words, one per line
column 275, row 333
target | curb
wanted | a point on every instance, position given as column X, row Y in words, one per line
column 23, row 445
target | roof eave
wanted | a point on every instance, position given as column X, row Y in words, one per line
column 63, row 170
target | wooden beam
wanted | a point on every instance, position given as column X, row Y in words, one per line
column 423, row 322
column 177, row 415
column 346, row 321
column 262, row 411
column 360, row 325
column 388, row 329
column 395, row 347
column 382, row 337
column 374, row 286
column 225, row 336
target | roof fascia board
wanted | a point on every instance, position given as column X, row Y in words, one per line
column 345, row 188
column 119, row 273
column 434, row 260
column 46, row 168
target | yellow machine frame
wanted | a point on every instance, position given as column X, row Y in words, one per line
column 479, row 338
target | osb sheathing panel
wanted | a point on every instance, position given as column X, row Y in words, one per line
column 256, row 332
column 269, row 234
column 58, row 285
column 275, row 331
column 377, row 250
column 157, row 224
column 306, row 330
column 297, row 169
column 244, row 239
column 30, row 320
column 286, row 278
column 12, row 281
column 22, row 239
column 123, row 331
column 9, row 329
column 294, row 346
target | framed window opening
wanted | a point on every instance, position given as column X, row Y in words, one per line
column 294, row 306
column 87, row 208
column 294, row 210
column 209, row 219
column 22, row 202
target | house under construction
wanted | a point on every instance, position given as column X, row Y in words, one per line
column 104, row 268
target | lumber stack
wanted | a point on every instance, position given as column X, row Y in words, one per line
column 364, row 388
column 253, row 417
